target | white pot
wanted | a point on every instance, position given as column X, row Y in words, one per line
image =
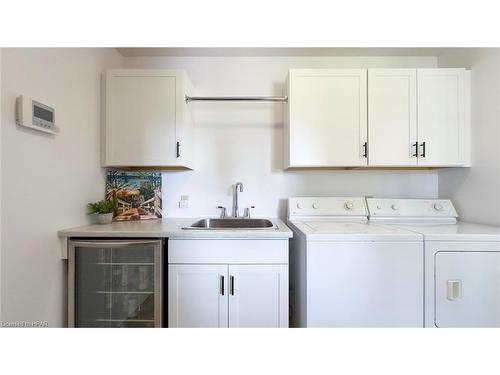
column 105, row 218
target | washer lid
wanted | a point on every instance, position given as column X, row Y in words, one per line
column 327, row 230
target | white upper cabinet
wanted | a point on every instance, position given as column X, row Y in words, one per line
column 326, row 118
column 397, row 117
column 443, row 117
column 146, row 120
column 392, row 117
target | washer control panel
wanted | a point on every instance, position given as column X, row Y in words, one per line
column 327, row 206
column 424, row 208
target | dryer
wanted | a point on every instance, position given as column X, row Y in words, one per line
column 462, row 260
column 347, row 273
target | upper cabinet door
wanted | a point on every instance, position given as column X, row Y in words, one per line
column 258, row 296
column 145, row 118
column 326, row 118
column 392, row 117
column 197, row 295
column 443, row 117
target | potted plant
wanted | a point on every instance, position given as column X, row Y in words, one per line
column 104, row 210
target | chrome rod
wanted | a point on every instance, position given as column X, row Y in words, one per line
column 236, row 98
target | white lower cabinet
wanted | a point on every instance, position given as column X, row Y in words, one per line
column 206, row 290
column 258, row 295
column 197, row 295
column 217, row 296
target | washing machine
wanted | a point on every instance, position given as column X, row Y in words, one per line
column 345, row 272
column 462, row 260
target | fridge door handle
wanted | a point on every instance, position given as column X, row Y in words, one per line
column 114, row 244
column 453, row 290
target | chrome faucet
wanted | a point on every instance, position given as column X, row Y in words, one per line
column 239, row 186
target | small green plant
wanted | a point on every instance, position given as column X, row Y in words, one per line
column 102, row 207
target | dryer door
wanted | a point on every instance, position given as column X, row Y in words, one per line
column 467, row 289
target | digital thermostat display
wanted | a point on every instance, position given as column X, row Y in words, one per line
column 35, row 115
column 42, row 113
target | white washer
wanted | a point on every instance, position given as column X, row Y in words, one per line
column 347, row 273
column 462, row 260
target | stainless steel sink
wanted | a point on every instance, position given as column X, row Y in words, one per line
column 232, row 223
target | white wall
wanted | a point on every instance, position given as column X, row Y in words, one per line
column 476, row 191
column 244, row 141
column 47, row 180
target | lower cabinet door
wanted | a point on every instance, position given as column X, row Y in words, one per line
column 197, row 295
column 258, row 296
column 467, row 289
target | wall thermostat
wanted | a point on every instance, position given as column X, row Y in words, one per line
column 35, row 115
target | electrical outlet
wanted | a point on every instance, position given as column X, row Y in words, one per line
column 184, row 202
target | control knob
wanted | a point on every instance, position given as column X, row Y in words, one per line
column 299, row 205
column 394, row 207
column 437, row 206
column 315, row 205
column 348, row 205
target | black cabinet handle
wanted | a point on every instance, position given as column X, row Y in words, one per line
column 178, row 153
column 416, row 149
column 365, row 150
column 423, row 150
column 231, row 285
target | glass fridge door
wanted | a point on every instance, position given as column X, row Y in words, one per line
column 115, row 283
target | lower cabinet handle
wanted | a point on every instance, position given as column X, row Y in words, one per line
column 222, row 284
column 423, row 150
column 416, row 150
column 365, row 149
column 231, row 287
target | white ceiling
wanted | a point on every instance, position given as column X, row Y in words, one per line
column 313, row 51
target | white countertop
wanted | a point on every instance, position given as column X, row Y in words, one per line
column 172, row 228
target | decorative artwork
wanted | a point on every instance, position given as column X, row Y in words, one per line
column 137, row 194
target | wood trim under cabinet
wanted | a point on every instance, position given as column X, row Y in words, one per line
column 164, row 168
column 305, row 169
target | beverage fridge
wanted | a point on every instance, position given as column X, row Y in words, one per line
column 115, row 283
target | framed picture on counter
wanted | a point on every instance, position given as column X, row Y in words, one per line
column 137, row 194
